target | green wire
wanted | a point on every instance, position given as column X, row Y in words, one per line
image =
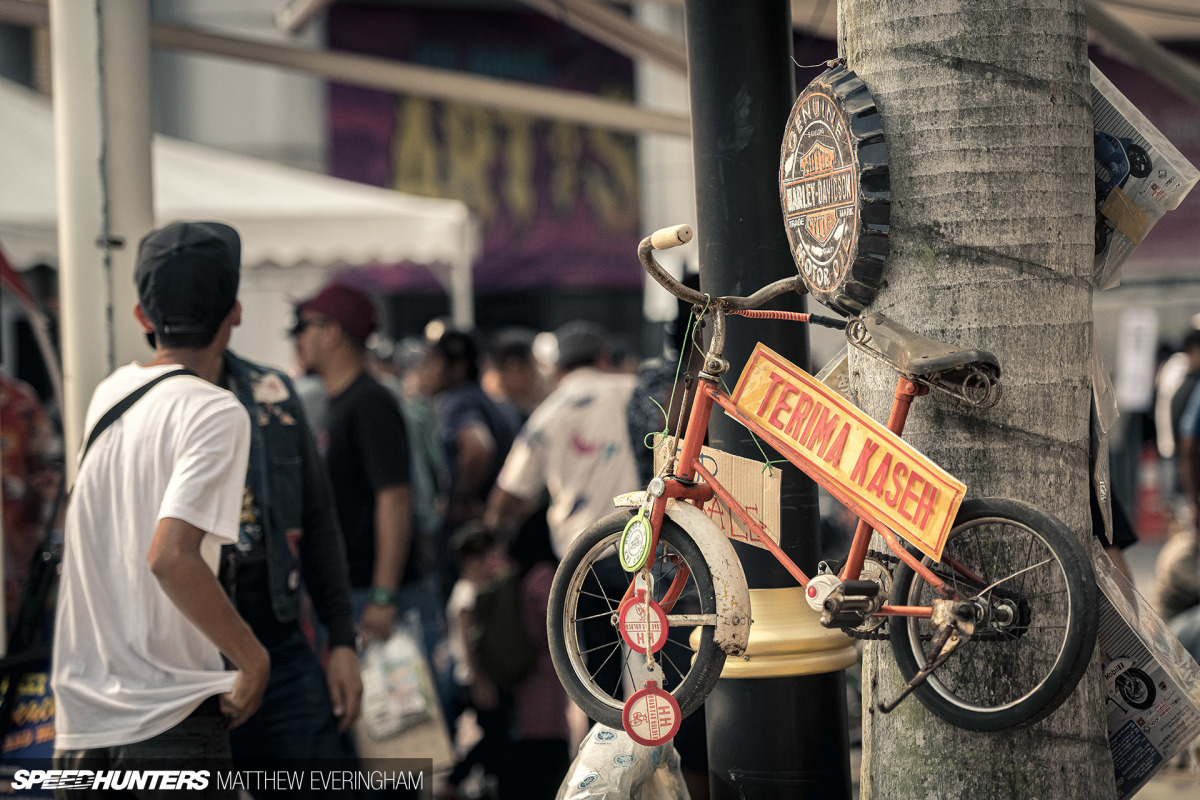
column 687, row 337
column 766, row 458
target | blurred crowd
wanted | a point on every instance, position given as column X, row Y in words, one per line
column 431, row 485
column 1177, row 437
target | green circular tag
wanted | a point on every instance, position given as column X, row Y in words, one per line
column 635, row 543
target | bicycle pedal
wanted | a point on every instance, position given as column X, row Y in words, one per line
column 850, row 604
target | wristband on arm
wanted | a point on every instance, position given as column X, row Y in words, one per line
column 379, row 596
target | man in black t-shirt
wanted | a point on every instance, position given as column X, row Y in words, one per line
column 366, row 453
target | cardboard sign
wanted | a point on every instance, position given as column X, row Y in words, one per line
column 1153, row 701
column 901, row 487
column 750, row 482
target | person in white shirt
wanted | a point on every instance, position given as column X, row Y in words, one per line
column 142, row 622
column 575, row 444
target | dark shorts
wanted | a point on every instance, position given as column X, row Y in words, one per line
column 199, row 742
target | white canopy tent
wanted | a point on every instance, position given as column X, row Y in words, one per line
column 297, row 227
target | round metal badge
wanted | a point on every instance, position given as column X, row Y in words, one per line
column 651, row 717
column 835, row 189
column 640, row 633
column 636, row 540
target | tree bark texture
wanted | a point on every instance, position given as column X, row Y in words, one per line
column 985, row 106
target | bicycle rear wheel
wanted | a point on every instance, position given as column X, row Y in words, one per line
column 1036, row 618
column 585, row 644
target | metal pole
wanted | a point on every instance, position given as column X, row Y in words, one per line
column 393, row 76
column 1149, row 56
column 100, row 62
column 83, row 280
column 775, row 729
column 125, row 63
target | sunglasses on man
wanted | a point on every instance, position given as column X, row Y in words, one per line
column 303, row 324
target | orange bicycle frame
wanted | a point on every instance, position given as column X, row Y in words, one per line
column 684, row 486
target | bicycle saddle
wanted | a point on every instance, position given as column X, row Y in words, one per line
column 969, row 374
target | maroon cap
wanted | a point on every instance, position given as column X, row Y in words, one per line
column 350, row 308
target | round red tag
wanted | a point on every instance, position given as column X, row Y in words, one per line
column 637, row 631
column 651, row 717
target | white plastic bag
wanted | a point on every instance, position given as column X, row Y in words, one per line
column 611, row 766
column 397, row 691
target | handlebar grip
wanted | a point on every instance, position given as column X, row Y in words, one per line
column 674, row 236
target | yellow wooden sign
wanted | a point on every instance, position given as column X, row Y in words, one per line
column 904, row 489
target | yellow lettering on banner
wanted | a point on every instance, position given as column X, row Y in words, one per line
column 471, row 146
column 566, row 150
column 517, row 184
column 611, row 184
column 415, row 149
column 841, row 446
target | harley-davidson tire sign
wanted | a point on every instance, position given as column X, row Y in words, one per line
column 835, row 190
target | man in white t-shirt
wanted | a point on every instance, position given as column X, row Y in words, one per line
column 575, row 444
column 142, row 621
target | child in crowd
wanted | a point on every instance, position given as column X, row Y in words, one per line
column 480, row 560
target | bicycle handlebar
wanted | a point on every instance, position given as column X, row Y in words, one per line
column 676, row 235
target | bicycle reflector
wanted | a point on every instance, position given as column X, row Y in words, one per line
column 635, row 543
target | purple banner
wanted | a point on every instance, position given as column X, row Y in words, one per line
column 557, row 202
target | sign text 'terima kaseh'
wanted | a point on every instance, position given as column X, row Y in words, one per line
column 877, row 469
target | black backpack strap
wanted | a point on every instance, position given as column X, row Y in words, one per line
column 114, row 413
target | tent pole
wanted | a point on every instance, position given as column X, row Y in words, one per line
column 125, row 61
column 96, row 215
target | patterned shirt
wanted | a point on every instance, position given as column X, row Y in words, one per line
column 576, row 445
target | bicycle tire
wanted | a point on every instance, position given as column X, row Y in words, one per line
column 577, row 574
column 1007, row 676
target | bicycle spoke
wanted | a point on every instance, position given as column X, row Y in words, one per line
column 615, row 648
column 1024, row 596
column 1015, row 574
column 1028, row 558
column 601, row 615
column 599, row 647
column 671, row 661
column 603, row 597
column 995, row 564
column 687, row 647
column 603, row 594
column 1030, row 644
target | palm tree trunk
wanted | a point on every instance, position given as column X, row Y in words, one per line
column 986, row 111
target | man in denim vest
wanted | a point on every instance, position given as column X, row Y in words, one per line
column 289, row 541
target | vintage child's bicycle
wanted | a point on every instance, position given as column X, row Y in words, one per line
column 990, row 607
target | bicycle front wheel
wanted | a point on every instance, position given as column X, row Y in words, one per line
column 585, row 644
column 1036, row 609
